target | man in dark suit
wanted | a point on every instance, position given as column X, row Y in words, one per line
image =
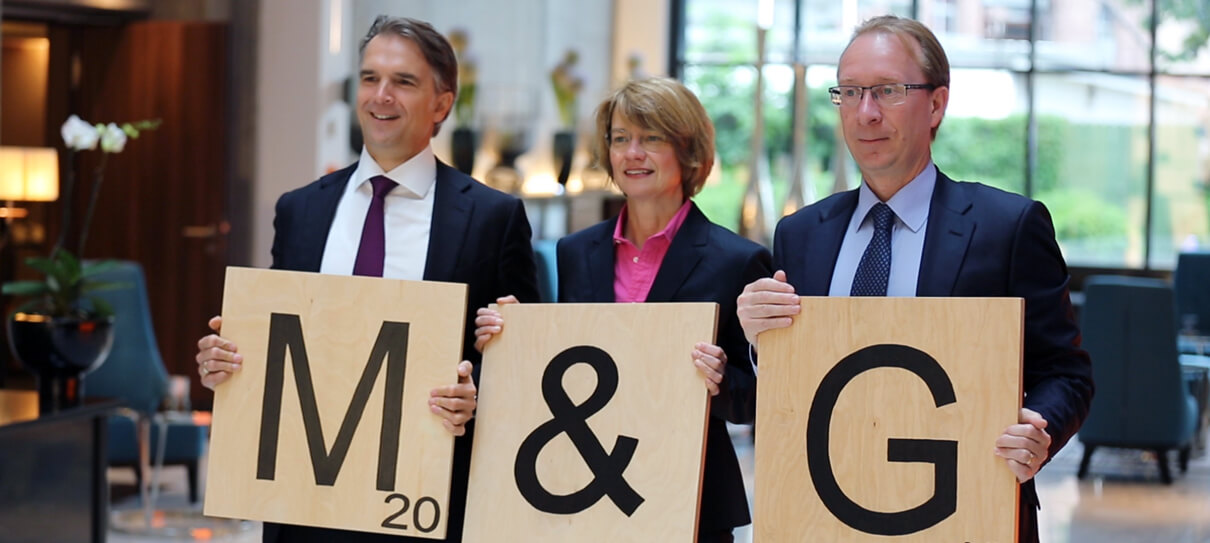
column 911, row 231
column 433, row 223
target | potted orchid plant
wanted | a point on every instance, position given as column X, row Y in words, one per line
column 61, row 332
column 63, row 291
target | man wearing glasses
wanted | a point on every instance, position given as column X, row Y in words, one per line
column 911, row 231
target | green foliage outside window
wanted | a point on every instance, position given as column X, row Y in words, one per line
column 1085, row 174
column 726, row 92
column 1193, row 13
column 989, row 151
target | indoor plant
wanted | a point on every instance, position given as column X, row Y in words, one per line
column 60, row 332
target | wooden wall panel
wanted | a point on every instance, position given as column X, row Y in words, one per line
column 168, row 183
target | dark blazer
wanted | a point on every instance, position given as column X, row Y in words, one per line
column 479, row 236
column 704, row 263
column 981, row 242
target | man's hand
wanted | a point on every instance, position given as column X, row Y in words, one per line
column 766, row 304
column 455, row 404
column 217, row 358
column 1025, row 446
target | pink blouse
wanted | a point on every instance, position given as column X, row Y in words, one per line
column 634, row 269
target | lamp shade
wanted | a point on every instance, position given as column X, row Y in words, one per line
column 29, row 174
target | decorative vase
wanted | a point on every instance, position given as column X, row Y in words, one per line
column 59, row 351
column 565, row 148
column 463, row 143
column 509, row 154
column 505, row 176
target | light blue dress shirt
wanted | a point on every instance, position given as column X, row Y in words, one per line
column 911, row 206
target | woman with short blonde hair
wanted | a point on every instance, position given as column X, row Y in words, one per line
column 657, row 144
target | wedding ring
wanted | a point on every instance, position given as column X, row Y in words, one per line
column 206, row 372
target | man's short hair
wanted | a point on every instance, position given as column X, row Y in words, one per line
column 932, row 59
column 662, row 105
column 432, row 44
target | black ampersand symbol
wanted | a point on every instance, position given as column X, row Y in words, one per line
column 571, row 419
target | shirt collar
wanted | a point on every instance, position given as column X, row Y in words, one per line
column 669, row 231
column 417, row 176
column 910, row 203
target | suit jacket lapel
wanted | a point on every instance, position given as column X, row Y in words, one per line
column 687, row 249
column 950, row 228
column 451, row 218
column 823, row 246
column 600, row 256
column 318, row 213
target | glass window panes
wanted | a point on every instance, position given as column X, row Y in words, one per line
column 1093, row 35
column 1049, row 98
column 779, row 41
column 829, row 166
column 726, row 92
column 724, row 32
column 983, row 135
column 1180, row 203
column 1091, row 168
column 995, row 37
column 827, row 24
column 720, row 32
column 1183, row 37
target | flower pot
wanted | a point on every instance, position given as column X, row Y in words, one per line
column 59, row 351
column 505, row 176
column 462, row 146
column 564, row 148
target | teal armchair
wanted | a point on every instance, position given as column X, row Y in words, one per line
column 134, row 374
column 1191, row 281
column 548, row 270
column 1142, row 400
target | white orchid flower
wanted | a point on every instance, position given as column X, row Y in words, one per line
column 79, row 135
column 113, row 139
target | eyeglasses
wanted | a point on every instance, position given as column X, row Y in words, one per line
column 652, row 143
column 888, row 94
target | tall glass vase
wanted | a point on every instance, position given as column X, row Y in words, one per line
column 564, row 151
column 463, row 143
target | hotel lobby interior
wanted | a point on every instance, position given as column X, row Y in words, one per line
column 1100, row 109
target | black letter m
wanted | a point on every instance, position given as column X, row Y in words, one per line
column 285, row 331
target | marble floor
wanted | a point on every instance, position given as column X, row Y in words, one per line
column 1121, row 501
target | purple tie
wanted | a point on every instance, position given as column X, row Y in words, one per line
column 372, row 251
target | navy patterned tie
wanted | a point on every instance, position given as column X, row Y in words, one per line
column 875, row 266
column 372, row 251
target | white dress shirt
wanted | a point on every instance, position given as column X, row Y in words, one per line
column 408, row 217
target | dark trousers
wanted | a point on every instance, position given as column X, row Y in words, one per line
column 716, row 537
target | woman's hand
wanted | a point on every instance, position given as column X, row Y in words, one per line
column 710, row 361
